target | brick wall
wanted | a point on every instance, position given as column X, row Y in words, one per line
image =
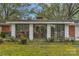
column 72, row 30
column 6, row 28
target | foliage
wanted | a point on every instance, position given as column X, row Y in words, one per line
column 60, row 11
column 1, row 40
column 56, row 11
column 50, row 40
column 10, row 11
column 66, row 39
column 3, row 34
column 23, row 38
column 72, row 39
column 11, row 39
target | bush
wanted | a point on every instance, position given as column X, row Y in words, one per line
column 61, row 39
column 66, row 39
column 72, row 39
column 12, row 39
column 75, row 43
column 3, row 34
column 23, row 39
column 50, row 39
column 1, row 40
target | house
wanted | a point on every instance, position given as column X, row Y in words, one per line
column 42, row 28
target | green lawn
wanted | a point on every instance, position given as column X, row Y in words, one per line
column 38, row 49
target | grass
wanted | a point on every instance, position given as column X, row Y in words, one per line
column 39, row 49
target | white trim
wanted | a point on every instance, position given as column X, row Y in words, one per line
column 13, row 30
column 31, row 31
column 21, row 22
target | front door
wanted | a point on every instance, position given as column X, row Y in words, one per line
column 39, row 31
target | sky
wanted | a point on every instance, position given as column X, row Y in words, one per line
column 29, row 8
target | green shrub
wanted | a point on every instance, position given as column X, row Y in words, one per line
column 72, row 39
column 23, row 38
column 61, row 39
column 66, row 39
column 12, row 39
column 3, row 34
column 1, row 40
column 50, row 39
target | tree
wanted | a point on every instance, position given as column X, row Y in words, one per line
column 59, row 11
column 10, row 11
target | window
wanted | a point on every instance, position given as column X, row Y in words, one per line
column 22, row 28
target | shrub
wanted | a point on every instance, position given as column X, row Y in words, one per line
column 1, row 40
column 66, row 39
column 55, row 38
column 11, row 39
column 23, row 38
column 72, row 39
column 61, row 39
column 50, row 39
column 3, row 34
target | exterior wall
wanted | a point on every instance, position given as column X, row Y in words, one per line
column 66, row 30
column 13, row 30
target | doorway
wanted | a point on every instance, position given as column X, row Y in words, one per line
column 40, row 31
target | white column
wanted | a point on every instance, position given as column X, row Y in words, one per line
column 66, row 30
column 77, row 32
column 0, row 29
column 48, row 31
column 13, row 33
column 31, row 31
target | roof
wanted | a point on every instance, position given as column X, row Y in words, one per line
column 40, row 21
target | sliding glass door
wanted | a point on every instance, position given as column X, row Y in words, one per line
column 57, row 31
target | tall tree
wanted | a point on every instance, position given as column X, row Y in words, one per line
column 10, row 11
column 59, row 11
